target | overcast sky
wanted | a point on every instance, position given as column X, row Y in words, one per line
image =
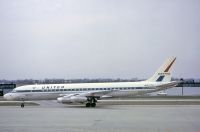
column 98, row 38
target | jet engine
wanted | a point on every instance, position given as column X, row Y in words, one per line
column 72, row 99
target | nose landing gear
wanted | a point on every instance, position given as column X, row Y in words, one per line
column 22, row 104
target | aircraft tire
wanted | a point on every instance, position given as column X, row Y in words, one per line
column 22, row 105
column 87, row 105
column 93, row 104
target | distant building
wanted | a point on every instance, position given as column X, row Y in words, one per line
column 5, row 88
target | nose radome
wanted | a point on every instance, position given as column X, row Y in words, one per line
column 7, row 96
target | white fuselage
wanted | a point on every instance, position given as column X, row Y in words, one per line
column 53, row 91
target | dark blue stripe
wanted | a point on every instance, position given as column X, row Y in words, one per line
column 160, row 78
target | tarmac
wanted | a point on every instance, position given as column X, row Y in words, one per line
column 141, row 100
column 115, row 118
column 50, row 116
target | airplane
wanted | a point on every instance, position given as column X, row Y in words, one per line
column 90, row 93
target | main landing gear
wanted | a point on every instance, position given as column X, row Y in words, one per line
column 91, row 102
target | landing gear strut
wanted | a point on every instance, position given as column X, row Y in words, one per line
column 91, row 102
column 22, row 104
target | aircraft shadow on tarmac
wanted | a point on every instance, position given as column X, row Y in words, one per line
column 83, row 107
column 54, row 104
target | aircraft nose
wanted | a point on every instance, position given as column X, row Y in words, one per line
column 59, row 100
column 7, row 96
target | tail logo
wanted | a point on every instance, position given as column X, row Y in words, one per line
column 167, row 69
column 160, row 78
column 163, row 74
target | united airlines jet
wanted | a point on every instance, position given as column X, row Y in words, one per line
column 90, row 93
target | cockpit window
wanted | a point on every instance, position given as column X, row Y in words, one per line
column 19, row 91
column 13, row 91
column 24, row 90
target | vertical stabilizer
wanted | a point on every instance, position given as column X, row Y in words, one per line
column 163, row 74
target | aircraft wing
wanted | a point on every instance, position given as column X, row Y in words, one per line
column 89, row 94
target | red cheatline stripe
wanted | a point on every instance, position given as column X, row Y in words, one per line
column 167, row 69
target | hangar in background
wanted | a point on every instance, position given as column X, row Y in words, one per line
column 5, row 88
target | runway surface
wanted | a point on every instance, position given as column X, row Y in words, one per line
column 103, row 118
column 140, row 100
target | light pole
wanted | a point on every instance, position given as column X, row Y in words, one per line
column 182, row 85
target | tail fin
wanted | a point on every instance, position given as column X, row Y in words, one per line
column 163, row 74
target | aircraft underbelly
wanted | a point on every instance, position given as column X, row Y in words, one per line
column 128, row 93
column 42, row 96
